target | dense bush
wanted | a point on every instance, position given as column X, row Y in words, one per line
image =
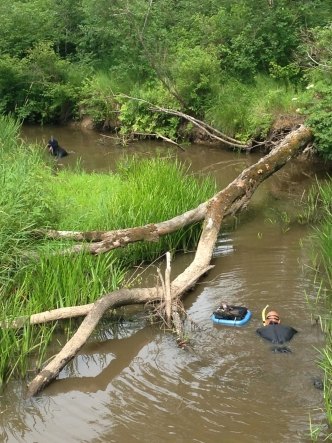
column 189, row 55
column 243, row 110
column 318, row 99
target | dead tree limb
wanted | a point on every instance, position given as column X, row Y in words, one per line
column 241, row 190
column 47, row 316
column 207, row 129
column 158, row 135
column 236, row 194
column 168, row 296
column 113, row 300
column 213, row 133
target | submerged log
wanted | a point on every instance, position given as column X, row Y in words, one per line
column 232, row 198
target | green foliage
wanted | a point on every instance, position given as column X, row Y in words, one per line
column 40, row 87
column 52, row 86
column 196, row 73
column 320, row 118
column 318, row 46
column 146, row 191
column 12, row 83
column 9, row 132
column 98, row 99
column 136, row 115
column 24, row 24
column 321, row 196
column 193, row 49
column 84, row 200
column 317, row 101
column 287, row 74
column 67, row 281
column 67, row 32
column 155, row 190
column 253, row 34
column 241, row 110
column 25, row 202
column 97, row 37
column 320, row 207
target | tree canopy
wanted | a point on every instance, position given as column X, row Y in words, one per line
column 73, row 58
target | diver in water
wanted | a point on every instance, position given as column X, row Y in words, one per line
column 275, row 332
column 55, row 149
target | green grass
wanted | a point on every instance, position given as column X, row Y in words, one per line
column 320, row 205
column 25, row 199
column 140, row 192
column 245, row 110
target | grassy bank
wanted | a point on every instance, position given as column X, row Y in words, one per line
column 141, row 192
column 323, row 252
column 32, row 197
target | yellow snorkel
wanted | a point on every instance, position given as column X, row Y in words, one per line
column 263, row 314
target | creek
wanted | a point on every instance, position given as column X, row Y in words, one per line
column 133, row 384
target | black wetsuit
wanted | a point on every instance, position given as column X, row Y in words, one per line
column 276, row 333
column 56, row 149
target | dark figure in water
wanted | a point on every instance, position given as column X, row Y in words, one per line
column 276, row 333
column 55, row 149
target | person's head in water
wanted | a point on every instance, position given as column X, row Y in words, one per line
column 272, row 318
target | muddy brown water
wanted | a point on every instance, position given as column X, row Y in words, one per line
column 133, row 384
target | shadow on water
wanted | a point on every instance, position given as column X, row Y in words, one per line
column 140, row 387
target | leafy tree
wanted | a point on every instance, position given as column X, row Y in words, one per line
column 319, row 105
column 51, row 86
column 25, row 23
column 196, row 74
column 188, row 48
column 67, row 16
column 12, row 83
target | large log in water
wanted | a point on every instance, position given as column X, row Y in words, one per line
column 232, row 198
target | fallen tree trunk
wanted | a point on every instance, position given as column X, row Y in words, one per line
column 233, row 197
column 242, row 188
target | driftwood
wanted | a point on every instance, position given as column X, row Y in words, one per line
column 157, row 135
column 168, row 295
column 211, row 132
column 232, row 198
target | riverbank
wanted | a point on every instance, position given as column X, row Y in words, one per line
column 322, row 243
column 34, row 198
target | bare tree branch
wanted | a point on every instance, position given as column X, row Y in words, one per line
column 236, row 194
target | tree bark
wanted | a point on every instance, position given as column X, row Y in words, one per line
column 241, row 190
column 232, row 198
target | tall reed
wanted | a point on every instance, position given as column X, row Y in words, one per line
column 25, row 201
column 245, row 110
column 323, row 246
column 140, row 192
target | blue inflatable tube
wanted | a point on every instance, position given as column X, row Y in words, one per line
column 242, row 322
